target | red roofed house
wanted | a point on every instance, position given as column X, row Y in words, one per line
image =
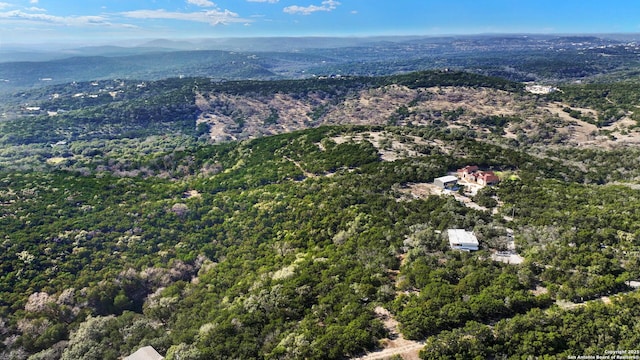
column 473, row 174
column 486, row 178
column 468, row 172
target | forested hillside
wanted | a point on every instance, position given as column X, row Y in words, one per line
column 110, row 124
column 125, row 223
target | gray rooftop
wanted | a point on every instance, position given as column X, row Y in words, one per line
column 145, row 353
column 446, row 179
column 461, row 236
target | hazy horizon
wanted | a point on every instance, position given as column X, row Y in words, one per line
column 140, row 42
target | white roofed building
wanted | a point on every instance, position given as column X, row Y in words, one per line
column 460, row 239
column 446, row 182
column 145, row 353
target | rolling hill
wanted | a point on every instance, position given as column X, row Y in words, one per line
column 297, row 219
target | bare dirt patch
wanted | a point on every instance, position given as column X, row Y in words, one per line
column 583, row 133
column 507, row 258
column 539, row 290
column 55, row 160
column 191, row 194
column 389, row 148
column 422, row 190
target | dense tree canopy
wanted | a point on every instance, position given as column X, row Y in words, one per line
column 284, row 246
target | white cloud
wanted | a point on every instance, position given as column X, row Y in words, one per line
column 21, row 15
column 96, row 20
column 33, row 1
column 264, row 1
column 36, row 9
column 202, row 3
column 213, row 17
column 4, row 5
column 327, row 5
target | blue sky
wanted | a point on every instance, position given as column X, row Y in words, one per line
column 100, row 21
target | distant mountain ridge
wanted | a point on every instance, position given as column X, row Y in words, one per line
column 515, row 57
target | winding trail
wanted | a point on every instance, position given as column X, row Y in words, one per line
column 396, row 344
column 407, row 352
column 297, row 164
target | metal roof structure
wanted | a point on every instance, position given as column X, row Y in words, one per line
column 461, row 239
column 446, row 179
column 145, row 353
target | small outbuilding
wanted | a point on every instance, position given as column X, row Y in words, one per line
column 460, row 239
column 448, row 182
column 145, row 353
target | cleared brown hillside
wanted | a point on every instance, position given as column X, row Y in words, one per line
column 233, row 117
